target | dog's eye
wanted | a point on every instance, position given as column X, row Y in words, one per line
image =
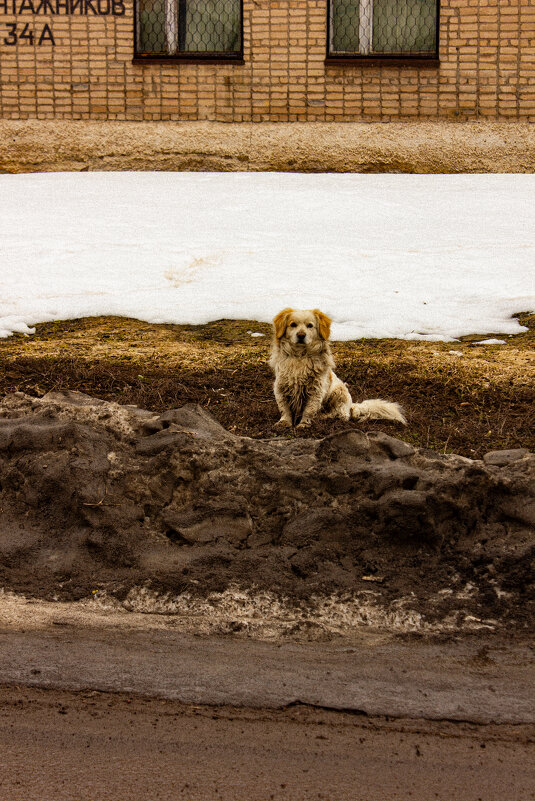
column 293, row 325
column 309, row 325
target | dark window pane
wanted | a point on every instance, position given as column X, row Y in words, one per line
column 152, row 26
column 212, row 26
column 368, row 27
column 168, row 27
column 404, row 26
column 345, row 16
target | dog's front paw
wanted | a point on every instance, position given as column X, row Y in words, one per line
column 305, row 423
column 283, row 423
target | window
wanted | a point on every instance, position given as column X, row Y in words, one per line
column 383, row 28
column 194, row 28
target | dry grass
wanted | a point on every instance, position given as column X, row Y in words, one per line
column 460, row 397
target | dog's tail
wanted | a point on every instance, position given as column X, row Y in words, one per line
column 378, row 409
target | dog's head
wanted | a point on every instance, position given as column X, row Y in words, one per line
column 302, row 329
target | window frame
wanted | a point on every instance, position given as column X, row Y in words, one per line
column 382, row 59
column 192, row 57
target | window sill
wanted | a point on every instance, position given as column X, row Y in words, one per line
column 383, row 61
column 190, row 58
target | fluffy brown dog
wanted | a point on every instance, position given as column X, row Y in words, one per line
column 305, row 381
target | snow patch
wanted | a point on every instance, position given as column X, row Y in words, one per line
column 430, row 257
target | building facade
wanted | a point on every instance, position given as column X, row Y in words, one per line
column 267, row 60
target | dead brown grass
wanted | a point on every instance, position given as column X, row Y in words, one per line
column 460, row 397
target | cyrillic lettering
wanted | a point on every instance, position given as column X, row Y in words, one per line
column 45, row 7
column 46, row 36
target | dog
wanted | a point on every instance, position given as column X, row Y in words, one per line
column 305, row 381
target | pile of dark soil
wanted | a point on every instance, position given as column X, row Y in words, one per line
column 95, row 495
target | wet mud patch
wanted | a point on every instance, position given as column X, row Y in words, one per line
column 158, row 511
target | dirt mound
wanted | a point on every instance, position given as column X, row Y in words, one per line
column 425, row 146
column 98, row 496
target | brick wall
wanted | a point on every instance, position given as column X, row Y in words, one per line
column 79, row 65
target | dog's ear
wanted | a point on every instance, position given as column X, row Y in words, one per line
column 280, row 322
column 324, row 324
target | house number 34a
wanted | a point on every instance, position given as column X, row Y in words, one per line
column 19, row 34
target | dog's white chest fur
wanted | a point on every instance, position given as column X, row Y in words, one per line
column 299, row 377
column 298, row 370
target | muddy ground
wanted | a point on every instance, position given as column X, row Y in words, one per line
column 65, row 746
column 150, row 508
column 196, row 606
column 460, row 397
column 125, row 708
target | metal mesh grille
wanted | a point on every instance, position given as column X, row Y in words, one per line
column 392, row 27
column 170, row 27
